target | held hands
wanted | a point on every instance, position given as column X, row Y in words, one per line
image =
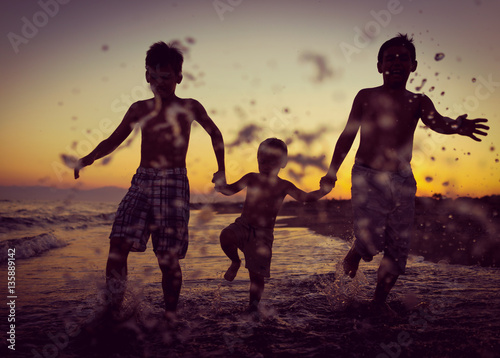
column 219, row 179
column 327, row 183
column 471, row 127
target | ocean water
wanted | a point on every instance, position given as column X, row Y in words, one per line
column 309, row 308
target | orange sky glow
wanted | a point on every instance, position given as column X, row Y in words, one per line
column 289, row 69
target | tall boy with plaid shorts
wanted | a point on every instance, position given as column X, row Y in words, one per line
column 157, row 203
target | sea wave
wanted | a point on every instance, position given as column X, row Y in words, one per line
column 27, row 247
column 13, row 223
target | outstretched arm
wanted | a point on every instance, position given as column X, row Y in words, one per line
column 445, row 125
column 236, row 187
column 217, row 141
column 108, row 145
column 303, row 196
column 344, row 143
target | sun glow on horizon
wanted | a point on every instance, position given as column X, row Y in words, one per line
column 286, row 78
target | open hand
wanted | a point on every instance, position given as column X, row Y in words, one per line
column 471, row 127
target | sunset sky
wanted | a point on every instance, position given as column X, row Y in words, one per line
column 286, row 69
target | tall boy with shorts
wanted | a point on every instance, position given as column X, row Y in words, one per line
column 157, row 203
column 383, row 186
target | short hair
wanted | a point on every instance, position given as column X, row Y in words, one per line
column 273, row 146
column 400, row 40
column 162, row 54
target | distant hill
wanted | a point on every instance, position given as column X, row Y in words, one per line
column 104, row 194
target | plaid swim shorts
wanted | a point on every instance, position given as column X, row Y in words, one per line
column 156, row 205
column 383, row 206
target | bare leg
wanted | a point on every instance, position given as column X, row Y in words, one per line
column 256, row 289
column 228, row 245
column 116, row 270
column 171, row 280
column 351, row 262
column 385, row 279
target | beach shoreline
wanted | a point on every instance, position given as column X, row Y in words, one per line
column 462, row 231
column 309, row 308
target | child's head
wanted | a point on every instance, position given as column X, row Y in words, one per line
column 163, row 68
column 160, row 55
column 401, row 40
column 397, row 60
column 272, row 155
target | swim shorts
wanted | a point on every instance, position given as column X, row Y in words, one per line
column 383, row 211
column 156, row 205
column 256, row 244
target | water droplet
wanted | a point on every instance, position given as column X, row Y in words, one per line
column 418, row 88
column 439, row 56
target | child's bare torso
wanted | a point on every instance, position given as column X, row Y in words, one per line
column 165, row 135
column 263, row 200
column 388, row 122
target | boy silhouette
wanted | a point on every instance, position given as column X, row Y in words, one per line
column 252, row 232
column 383, row 186
column 157, row 203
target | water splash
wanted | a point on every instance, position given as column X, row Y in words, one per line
column 439, row 56
column 323, row 69
column 419, row 88
column 306, row 160
column 247, row 135
column 343, row 290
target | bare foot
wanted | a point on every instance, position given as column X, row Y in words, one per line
column 351, row 262
column 232, row 270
